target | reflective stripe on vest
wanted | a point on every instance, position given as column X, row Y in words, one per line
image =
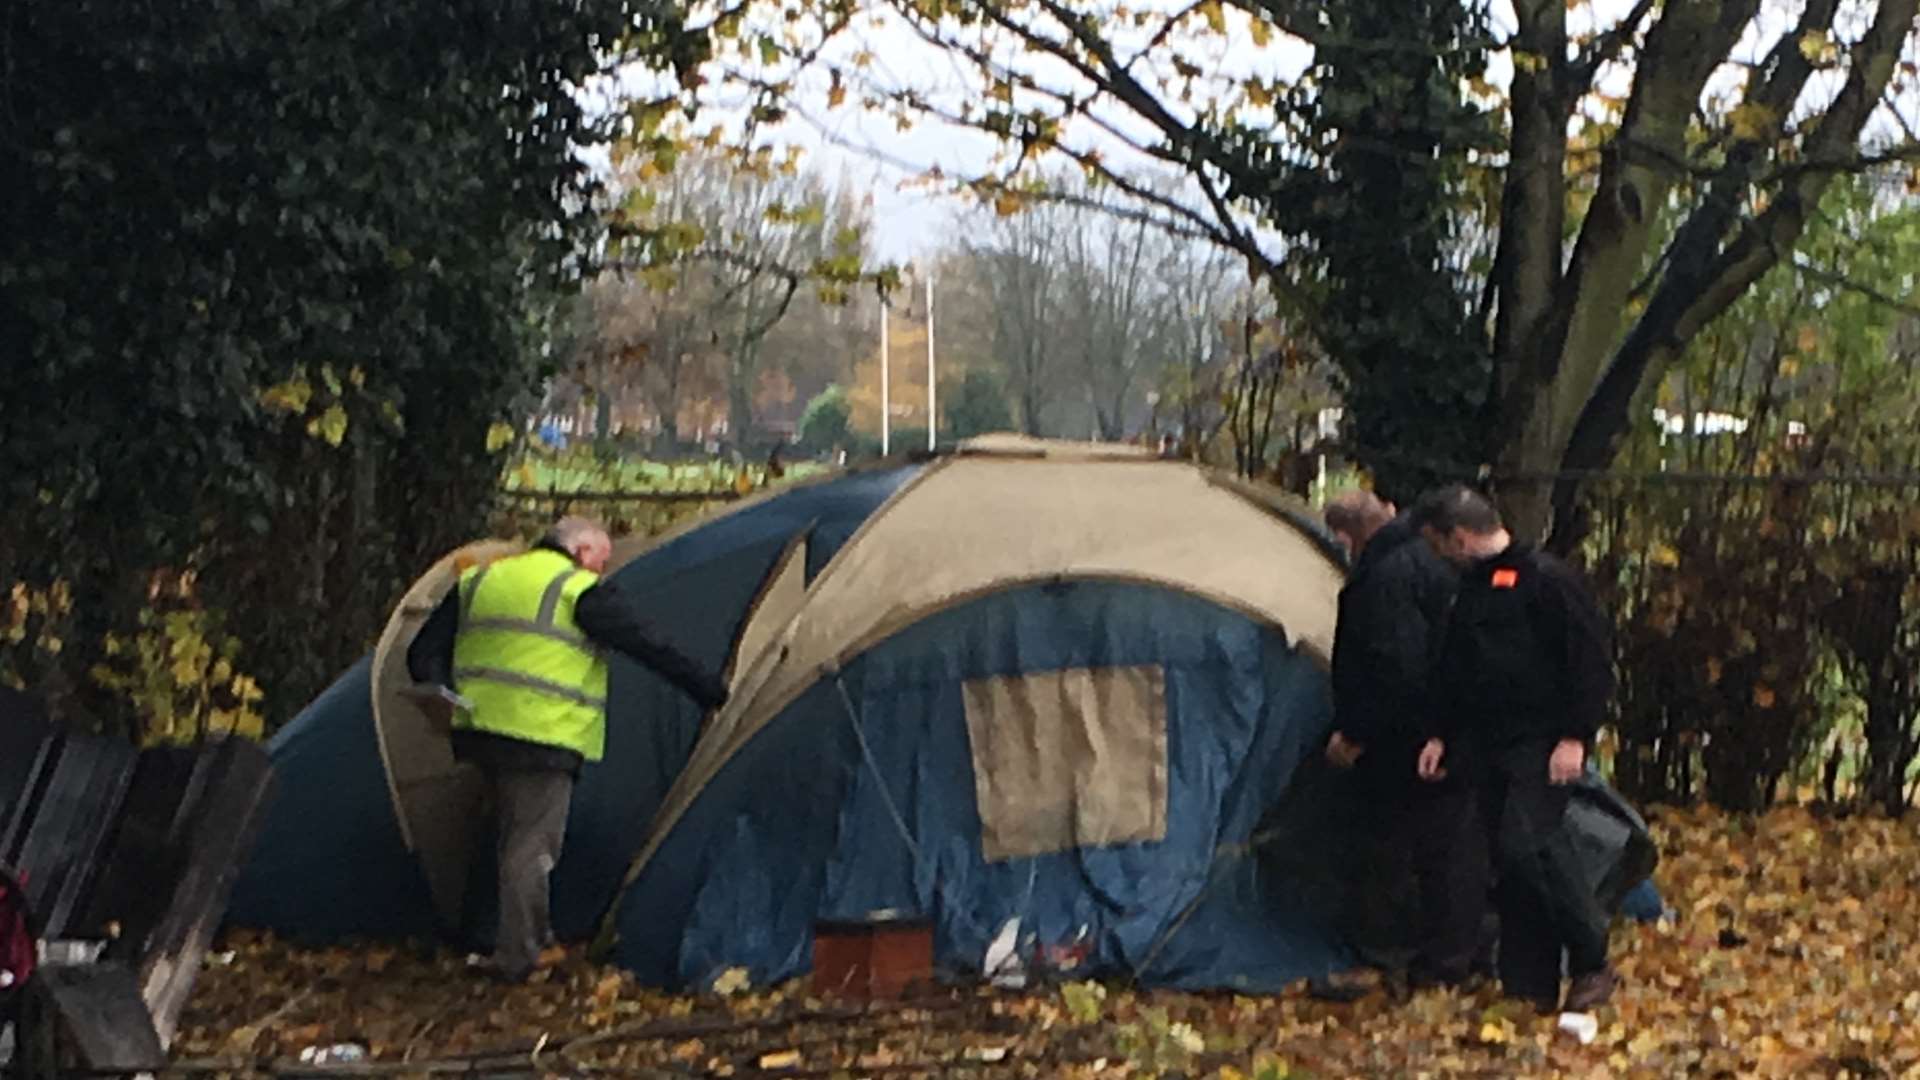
column 520, row 658
column 529, row 682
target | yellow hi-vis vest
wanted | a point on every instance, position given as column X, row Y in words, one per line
column 521, row 659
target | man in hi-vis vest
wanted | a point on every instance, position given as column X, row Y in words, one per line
column 522, row 640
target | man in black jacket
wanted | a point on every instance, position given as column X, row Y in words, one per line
column 1521, row 684
column 1391, row 611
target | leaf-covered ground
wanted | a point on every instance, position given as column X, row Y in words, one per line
column 1796, row 953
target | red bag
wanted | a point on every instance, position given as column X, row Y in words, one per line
column 17, row 953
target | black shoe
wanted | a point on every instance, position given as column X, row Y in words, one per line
column 1544, row 1004
column 1590, row 991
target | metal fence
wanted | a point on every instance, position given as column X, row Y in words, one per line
column 1767, row 626
column 520, row 511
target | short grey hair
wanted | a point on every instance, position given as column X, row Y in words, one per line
column 1457, row 507
column 572, row 531
column 1357, row 513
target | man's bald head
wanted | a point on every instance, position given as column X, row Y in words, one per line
column 584, row 539
column 1354, row 516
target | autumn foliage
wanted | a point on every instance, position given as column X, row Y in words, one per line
column 1790, row 954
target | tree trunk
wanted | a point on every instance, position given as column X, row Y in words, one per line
column 1707, row 273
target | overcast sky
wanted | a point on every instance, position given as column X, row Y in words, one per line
column 878, row 159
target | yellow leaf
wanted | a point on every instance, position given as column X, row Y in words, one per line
column 1258, row 94
column 249, row 724
column 1216, row 18
column 1529, row 62
column 357, row 375
column 1006, row 204
column 1809, row 339
column 1262, row 32
column 836, row 95
column 1763, row 696
column 498, row 436
column 330, row 425
column 1818, row 48
column 1752, row 122
column 290, row 396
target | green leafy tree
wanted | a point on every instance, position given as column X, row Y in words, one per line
column 976, row 406
column 269, row 274
column 827, row 423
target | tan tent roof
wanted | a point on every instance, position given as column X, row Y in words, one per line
column 433, row 795
column 1009, row 511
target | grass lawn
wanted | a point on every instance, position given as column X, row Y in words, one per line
column 580, row 472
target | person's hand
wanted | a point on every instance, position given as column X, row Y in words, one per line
column 1343, row 752
column 1431, row 755
column 1569, row 758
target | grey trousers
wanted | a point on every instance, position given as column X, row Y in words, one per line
column 530, row 807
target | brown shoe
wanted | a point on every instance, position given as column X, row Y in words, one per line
column 1591, row 990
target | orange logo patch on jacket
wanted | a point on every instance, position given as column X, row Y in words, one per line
column 1506, row 578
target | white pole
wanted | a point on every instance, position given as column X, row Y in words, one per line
column 932, row 421
column 886, row 400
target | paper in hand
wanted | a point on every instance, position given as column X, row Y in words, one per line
column 440, row 703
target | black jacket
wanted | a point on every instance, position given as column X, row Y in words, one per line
column 609, row 621
column 1526, row 656
column 1391, row 611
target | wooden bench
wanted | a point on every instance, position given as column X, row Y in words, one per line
column 129, row 858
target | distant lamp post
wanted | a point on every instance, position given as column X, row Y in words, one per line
column 886, row 400
column 932, row 417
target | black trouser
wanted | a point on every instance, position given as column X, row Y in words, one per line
column 1418, row 885
column 1546, row 911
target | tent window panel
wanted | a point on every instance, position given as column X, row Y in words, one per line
column 1069, row 759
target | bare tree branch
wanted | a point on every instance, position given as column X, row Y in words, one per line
column 1166, row 30
column 1082, row 202
column 1607, row 47
column 1845, row 163
column 1841, row 281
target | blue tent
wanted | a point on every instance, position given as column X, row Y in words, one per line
column 1062, row 685
column 331, row 862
